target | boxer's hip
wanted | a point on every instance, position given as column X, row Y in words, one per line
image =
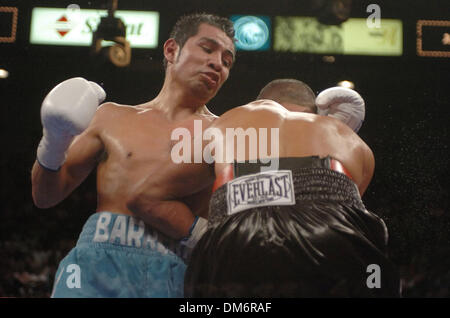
column 296, row 181
column 117, row 255
column 304, row 224
column 310, row 190
column 128, row 233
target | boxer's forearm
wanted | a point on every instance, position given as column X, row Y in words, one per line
column 172, row 218
column 46, row 187
column 50, row 187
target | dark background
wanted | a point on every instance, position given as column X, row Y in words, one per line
column 407, row 100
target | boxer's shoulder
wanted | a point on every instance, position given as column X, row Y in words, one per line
column 111, row 109
column 110, row 114
column 264, row 105
column 117, row 111
column 331, row 122
column 258, row 106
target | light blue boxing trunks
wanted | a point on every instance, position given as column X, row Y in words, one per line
column 117, row 255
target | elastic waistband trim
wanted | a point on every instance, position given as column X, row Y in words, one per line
column 310, row 185
column 238, row 169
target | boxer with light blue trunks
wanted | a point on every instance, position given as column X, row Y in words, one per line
column 119, row 256
column 130, row 146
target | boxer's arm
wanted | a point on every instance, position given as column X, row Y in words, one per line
column 51, row 187
column 198, row 202
column 173, row 218
column 368, row 170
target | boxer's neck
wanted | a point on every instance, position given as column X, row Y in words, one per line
column 176, row 103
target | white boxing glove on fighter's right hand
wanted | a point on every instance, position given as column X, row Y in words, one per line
column 66, row 112
column 344, row 104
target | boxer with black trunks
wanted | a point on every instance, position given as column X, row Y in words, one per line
column 121, row 253
column 301, row 229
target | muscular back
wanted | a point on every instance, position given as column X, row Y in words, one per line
column 300, row 135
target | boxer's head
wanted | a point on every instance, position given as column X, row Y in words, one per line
column 199, row 55
column 291, row 93
column 187, row 26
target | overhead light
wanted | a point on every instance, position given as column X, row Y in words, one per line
column 346, row 84
column 328, row 58
column 3, row 73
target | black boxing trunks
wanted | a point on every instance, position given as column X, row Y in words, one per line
column 299, row 231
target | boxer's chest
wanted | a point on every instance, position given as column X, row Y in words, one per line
column 154, row 139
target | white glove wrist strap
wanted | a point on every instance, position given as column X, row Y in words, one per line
column 196, row 231
column 51, row 152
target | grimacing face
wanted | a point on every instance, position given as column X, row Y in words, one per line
column 205, row 60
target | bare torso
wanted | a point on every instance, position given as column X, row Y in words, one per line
column 300, row 135
column 137, row 148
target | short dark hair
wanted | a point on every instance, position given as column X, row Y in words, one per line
column 187, row 26
column 290, row 91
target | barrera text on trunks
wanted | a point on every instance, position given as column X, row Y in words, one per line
column 260, row 189
column 225, row 147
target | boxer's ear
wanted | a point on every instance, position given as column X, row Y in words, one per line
column 171, row 50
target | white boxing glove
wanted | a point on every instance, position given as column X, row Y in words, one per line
column 66, row 112
column 198, row 228
column 344, row 104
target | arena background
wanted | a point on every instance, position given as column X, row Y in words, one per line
column 406, row 126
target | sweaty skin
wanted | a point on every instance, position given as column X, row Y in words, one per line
column 300, row 135
column 132, row 144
